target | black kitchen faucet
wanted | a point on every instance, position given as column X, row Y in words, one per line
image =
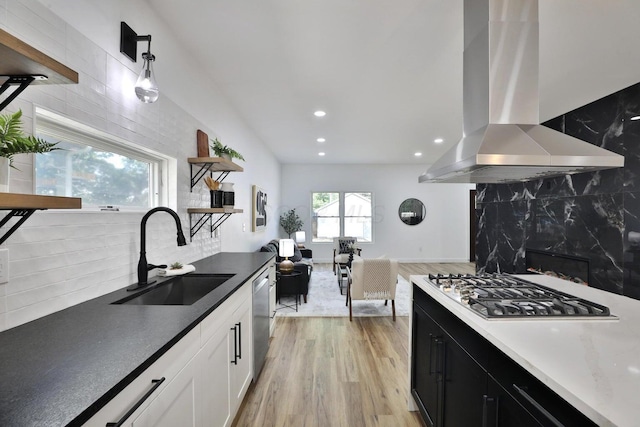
column 143, row 266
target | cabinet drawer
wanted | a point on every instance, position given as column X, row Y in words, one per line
column 167, row 367
column 531, row 393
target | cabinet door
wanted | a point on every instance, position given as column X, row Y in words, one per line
column 465, row 383
column 215, row 367
column 426, row 375
column 176, row 405
column 241, row 354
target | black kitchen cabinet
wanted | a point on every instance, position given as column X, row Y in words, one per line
column 502, row 409
column 445, row 378
column 426, row 381
column 458, row 378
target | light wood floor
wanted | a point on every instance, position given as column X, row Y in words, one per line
column 332, row 372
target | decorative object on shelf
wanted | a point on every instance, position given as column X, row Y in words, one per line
column 285, row 250
column 301, row 237
column 228, row 195
column 259, row 209
column 175, row 266
column 146, row 86
column 202, row 142
column 291, row 222
column 214, row 190
column 224, row 151
column 412, row 211
column 14, row 141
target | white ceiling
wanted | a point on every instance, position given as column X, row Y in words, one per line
column 387, row 72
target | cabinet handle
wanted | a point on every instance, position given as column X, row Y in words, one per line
column 440, row 349
column 239, row 325
column 235, row 345
column 538, row 406
column 486, row 401
column 431, row 370
column 156, row 384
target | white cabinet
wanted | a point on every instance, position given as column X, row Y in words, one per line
column 200, row 381
column 241, row 346
column 214, row 393
column 226, row 358
column 165, row 375
column 177, row 404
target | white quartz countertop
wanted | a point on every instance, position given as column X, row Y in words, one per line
column 592, row 364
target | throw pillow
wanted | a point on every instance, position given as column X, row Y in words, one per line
column 344, row 245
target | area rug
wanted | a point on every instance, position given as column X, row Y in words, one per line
column 324, row 300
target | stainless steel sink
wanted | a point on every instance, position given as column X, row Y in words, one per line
column 180, row 290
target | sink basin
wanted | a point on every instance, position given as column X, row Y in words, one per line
column 180, row 290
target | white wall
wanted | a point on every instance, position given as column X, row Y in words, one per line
column 443, row 236
column 58, row 259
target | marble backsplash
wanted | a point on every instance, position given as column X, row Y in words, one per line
column 593, row 215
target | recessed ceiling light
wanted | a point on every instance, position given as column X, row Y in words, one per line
column 319, row 113
column 321, row 153
column 418, row 154
column 321, row 140
column 438, row 140
column 635, row 118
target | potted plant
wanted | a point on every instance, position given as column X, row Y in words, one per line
column 291, row 222
column 14, row 141
column 224, row 151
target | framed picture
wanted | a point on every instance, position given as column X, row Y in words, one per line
column 259, row 209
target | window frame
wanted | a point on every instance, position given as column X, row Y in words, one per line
column 342, row 214
column 53, row 125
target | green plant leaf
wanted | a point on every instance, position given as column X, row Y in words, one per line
column 13, row 140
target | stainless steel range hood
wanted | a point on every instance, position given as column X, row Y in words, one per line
column 503, row 140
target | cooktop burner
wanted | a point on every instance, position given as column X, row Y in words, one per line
column 501, row 296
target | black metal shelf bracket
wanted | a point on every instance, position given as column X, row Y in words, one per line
column 202, row 220
column 21, row 81
column 24, row 213
column 200, row 173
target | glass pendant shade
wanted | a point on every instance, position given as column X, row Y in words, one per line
column 146, row 86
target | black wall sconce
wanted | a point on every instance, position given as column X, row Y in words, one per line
column 146, row 86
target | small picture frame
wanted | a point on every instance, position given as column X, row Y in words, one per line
column 259, row 209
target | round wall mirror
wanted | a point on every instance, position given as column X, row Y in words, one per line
column 412, row 211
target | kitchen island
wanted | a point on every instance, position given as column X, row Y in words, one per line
column 63, row 368
column 594, row 365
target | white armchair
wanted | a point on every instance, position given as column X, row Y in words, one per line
column 373, row 279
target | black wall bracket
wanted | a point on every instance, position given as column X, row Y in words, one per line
column 22, row 81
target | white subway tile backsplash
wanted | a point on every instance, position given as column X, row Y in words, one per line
column 62, row 258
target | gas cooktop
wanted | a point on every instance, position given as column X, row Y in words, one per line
column 502, row 296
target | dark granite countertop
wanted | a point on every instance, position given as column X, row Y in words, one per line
column 62, row 368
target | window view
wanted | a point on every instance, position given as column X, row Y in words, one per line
column 99, row 168
column 342, row 214
column 98, row 177
column 357, row 216
column 325, row 224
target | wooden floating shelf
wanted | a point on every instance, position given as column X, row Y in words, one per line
column 213, row 210
column 19, row 58
column 31, row 201
column 218, row 164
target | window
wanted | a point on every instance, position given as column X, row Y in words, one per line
column 100, row 168
column 342, row 214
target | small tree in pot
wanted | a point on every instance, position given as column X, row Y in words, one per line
column 291, row 222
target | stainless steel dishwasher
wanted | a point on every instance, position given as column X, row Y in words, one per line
column 260, row 321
